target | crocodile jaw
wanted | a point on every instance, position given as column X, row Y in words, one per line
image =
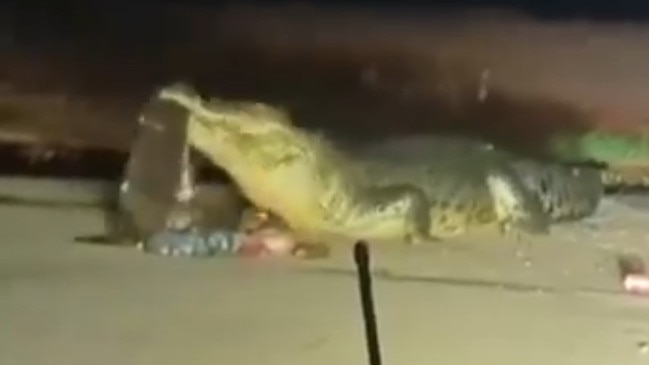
column 286, row 186
column 256, row 145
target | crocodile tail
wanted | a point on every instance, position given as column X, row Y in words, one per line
column 565, row 192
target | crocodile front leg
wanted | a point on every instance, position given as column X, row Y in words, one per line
column 411, row 203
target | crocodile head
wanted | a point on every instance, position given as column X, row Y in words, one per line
column 232, row 133
column 274, row 163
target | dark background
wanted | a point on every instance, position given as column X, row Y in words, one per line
column 76, row 73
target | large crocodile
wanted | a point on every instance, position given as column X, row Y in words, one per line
column 322, row 190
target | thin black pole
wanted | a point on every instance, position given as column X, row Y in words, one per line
column 362, row 259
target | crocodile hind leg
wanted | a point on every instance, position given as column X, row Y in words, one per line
column 517, row 209
column 409, row 201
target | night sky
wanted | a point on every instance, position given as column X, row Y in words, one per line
column 120, row 18
column 138, row 33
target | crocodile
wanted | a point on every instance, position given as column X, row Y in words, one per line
column 323, row 189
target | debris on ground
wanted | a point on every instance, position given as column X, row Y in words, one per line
column 633, row 273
